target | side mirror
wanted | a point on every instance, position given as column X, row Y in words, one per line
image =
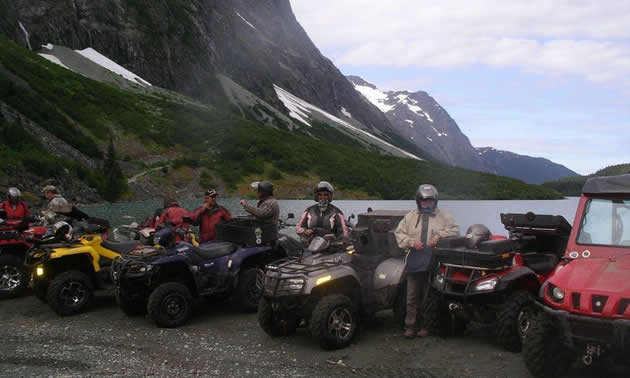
column 290, row 216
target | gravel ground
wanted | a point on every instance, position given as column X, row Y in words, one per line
column 220, row 341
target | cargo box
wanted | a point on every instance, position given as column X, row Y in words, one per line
column 491, row 255
column 374, row 233
column 247, row 231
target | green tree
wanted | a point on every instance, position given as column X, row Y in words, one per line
column 115, row 182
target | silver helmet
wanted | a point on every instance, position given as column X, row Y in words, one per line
column 476, row 234
column 13, row 195
column 426, row 192
column 324, row 187
column 62, row 231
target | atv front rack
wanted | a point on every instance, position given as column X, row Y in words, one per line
column 292, row 266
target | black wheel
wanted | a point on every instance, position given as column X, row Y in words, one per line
column 170, row 305
column 275, row 323
column 249, row 289
column 334, row 321
column 13, row 276
column 515, row 319
column 437, row 317
column 400, row 305
column 70, row 292
column 543, row 350
column 128, row 306
column 40, row 289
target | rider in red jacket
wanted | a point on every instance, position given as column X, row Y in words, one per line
column 173, row 215
column 208, row 215
column 14, row 207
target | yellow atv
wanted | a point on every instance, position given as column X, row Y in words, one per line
column 67, row 270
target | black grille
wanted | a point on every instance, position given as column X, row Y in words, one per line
column 598, row 302
column 575, row 300
column 623, row 306
column 592, row 331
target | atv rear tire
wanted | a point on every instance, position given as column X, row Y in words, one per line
column 334, row 321
column 544, row 352
column 40, row 289
column 437, row 318
column 274, row 323
column 13, row 276
column 515, row 319
column 129, row 307
column 170, row 305
column 249, row 289
column 70, row 293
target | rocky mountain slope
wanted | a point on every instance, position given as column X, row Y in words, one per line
column 421, row 119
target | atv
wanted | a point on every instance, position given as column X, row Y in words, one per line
column 496, row 281
column 16, row 237
column 585, row 303
column 335, row 284
column 164, row 283
column 68, row 270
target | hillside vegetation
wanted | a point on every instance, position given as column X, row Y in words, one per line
column 572, row 186
column 87, row 114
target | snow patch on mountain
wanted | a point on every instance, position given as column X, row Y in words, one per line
column 302, row 109
column 104, row 61
column 345, row 112
column 53, row 59
column 375, row 96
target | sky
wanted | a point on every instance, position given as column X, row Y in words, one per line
column 537, row 77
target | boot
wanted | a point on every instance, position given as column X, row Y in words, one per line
column 409, row 333
column 423, row 333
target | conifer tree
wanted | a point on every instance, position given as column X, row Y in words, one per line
column 115, row 182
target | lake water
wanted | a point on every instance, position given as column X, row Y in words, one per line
column 465, row 212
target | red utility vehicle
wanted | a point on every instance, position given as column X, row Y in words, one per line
column 15, row 239
column 495, row 281
column 586, row 302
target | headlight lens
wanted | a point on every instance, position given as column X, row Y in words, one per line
column 39, row 271
column 295, row 283
column 487, row 285
column 557, row 294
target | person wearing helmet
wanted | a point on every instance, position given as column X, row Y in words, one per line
column 14, row 207
column 418, row 232
column 208, row 215
column 323, row 217
column 57, row 208
column 267, row 209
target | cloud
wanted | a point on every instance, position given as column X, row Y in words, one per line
column 589, row 39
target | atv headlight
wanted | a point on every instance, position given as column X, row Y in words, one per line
column 486, row 285
column 295, row 283
column 322, row 280
column 39, row 271
column 439, row 279
column 556, row 293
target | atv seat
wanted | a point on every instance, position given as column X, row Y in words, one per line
column 120, row 247
column 211, row 250
column 539, row 262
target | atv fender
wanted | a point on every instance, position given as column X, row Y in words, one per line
column 336, row 273
column 242, row 254
column 82, row 250
column 388, row 273
column 521, row 274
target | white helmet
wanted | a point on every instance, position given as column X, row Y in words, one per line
column 62, row 231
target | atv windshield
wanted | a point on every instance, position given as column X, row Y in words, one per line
column 606, row 222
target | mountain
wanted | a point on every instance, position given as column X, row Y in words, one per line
column 421, row 119
column 184, row 45
column 572, row 186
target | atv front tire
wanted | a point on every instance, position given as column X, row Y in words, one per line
column 274, row 323
column 334, row 321
column 249, row 289
column 543, row 350
column 70, row 293
column 515, row 319
column 13, row 276
column 436, row 315
column 170, row 305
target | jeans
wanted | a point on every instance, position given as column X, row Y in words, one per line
column 417, row 286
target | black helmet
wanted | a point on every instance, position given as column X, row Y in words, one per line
column 13, row 195
column 324, row 186
column 265, row 187
column 426, row 192
column 62, row 231
column 476, row 234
